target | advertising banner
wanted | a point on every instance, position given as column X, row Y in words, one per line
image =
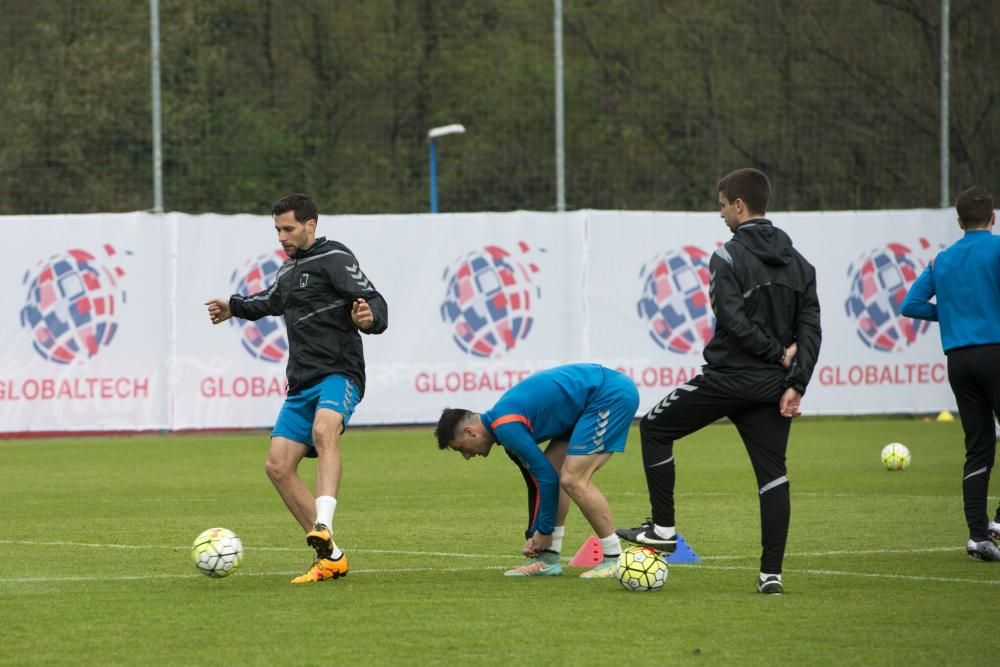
column 476, row 302
column 107, row 327
column 650, row 314
column 87, row 312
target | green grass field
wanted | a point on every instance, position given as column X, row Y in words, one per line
column 96, row 533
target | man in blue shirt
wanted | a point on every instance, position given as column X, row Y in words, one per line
column 965, row 278
column 584, row 412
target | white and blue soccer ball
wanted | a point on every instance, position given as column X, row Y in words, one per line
column 896, row 456
column 217, row 552
column 641, row 569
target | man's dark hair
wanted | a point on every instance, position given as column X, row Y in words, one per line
column 975, row 207
column 447, row 427
column 304, row 207
column 750, row 185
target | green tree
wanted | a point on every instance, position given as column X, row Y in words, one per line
column 837, row 101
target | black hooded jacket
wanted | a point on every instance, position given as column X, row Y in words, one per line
column 315, row 291
column 764, row 299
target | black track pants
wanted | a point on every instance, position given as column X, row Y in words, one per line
column 698, row 403
column 974, row 374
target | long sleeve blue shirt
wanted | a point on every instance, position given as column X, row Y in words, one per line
column 965, row 278
column 541, row 407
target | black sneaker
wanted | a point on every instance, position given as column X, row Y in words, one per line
column 646, row 536
column 770, row 585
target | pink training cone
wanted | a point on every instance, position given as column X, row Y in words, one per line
column 590, row 554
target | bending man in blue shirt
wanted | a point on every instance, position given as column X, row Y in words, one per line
column 584, row 411
column 965, row 278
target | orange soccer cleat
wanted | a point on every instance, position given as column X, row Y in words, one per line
column 321, row 539
column 324, row 568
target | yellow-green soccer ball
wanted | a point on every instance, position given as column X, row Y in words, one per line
column 641, row 569
column 217, row 552
column 895, row 456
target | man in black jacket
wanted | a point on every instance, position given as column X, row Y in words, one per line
column 326, row 300
column 758, row 363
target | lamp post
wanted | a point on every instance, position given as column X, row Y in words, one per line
column 945, row 141
column 560, row 109
column 433, row 134
column 154, row 71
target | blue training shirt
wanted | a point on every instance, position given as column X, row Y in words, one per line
column 543, row 406
column 965, row 277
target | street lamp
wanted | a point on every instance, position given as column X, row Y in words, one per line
column 433, row 134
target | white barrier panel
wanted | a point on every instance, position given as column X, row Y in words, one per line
column 230, row 375
column 874, row 360
column 233, row 375
column 476, row 302
column 107, row 327
column 86, row 315
column 650, row 317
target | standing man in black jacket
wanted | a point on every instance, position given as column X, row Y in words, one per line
column 758, row 363
column 326, row 300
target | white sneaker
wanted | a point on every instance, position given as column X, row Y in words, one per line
column 984, row 550
column 994, row 530
column 607, row 568
column 536, row 567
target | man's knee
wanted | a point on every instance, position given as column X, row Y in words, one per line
column 654, row 440
column 326, row 431
column 278, row 469
column 573, row 482
column 571, row 485
column 283, row 459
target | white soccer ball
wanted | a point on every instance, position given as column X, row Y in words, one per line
column 217, row 552
column 895, row 456
column 641, row 569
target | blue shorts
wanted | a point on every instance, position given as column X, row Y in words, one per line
column 604, row 424
column 295, row 421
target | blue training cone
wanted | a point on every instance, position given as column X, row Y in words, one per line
column 683, row 553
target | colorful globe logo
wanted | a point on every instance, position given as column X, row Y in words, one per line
column 71, row 305
column 879, row 281
column 264, row 339
column 675, row 302
column 488, row 300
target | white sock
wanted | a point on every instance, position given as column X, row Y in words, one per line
column 764, row 576
column 665, row 532
column 557, row 538
column 325, row 507
column 611, row 546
